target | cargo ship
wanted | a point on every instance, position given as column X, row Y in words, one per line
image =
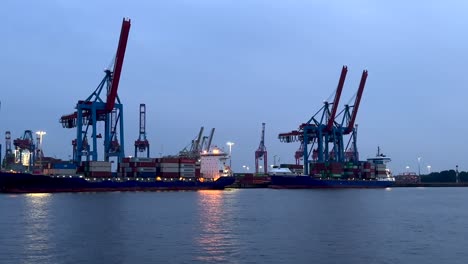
column 371, row 174
column 133, row 174
column 11, row 182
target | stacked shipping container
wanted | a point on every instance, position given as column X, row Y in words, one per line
column 137, row 168
column 365, row 170
column 97, row 169
column 168, row 167
column 60, row 168
column 176, row 167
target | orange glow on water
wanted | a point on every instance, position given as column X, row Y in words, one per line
column 213, row 238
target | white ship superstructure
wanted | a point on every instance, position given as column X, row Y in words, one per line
column 213, row 163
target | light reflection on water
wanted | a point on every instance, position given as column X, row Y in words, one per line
column 216, row 239
column 398, row 225
column 36, row 227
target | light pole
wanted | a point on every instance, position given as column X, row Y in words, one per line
column 229, row 143
column 419, row 166
column 40, row 134
column 428, row 169
column 407, row 168
column 39, row 151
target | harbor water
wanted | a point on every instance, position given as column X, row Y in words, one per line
column 395, row 225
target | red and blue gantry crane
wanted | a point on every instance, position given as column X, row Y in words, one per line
column 298, row 155
column 261, row 153
column 347, row 125
column 25, row 145
column 323, row 132
column 142, row 144
column 97, row 108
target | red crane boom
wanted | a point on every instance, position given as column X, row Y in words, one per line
column 336, row 101
column 349, row 129
column 119, row 58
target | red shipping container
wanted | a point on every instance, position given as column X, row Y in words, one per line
column 169, row 175
column 189, row 161
column 99, row 174
column 146, row 164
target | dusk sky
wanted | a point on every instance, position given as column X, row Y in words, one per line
column 232, row 65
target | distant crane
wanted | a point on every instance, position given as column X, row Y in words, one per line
column 261, row 153
column 210, row 139
column 206, row 145
column 325, row 130
column 94, row 109
column 299, row 154
column 25, row 148
column 319, row 129
column 195, row 147
column 142, row 144
column 198, row 145
column 9, row 155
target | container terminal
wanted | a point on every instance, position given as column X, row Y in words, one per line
column 327, row 148
column 26, row 169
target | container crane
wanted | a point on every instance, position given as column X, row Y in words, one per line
column 210, row 139
column 9, row 155
column 349, row 117
column 195, row 147
column 94, row 109
column 196, row 144
column 299, row 154
column 351, row 153
column 206, row 142
column 142, row 144
column 261, row 153
column 25, row 147
column 319, row 129
column 347, row 125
